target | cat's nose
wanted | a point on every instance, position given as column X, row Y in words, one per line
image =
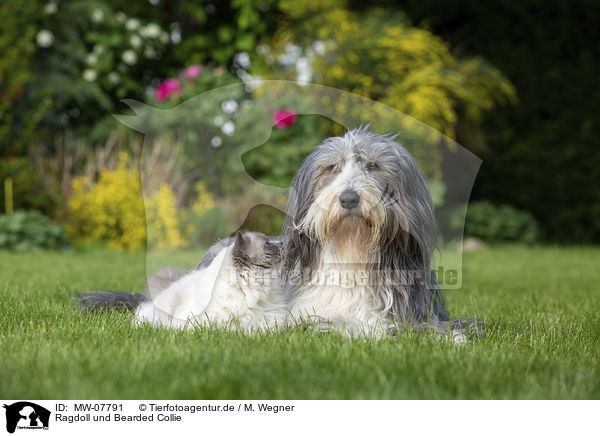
column 349, row 199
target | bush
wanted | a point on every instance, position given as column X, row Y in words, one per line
column 111, row 210
column 542, row 153
column 29, row 230
column 163, row 220
column 29, row 190
column 500, row 223
column 213, row 129
column 18, row 52
column 88, row 56
column 377, row 53
column 204, row 229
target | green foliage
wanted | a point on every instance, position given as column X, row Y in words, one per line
column 277, row 160
column 18, row 49
column 208, row 79
column 264, row 219
column 205, row 228
column 63, row 69
column 29, row 191
column 378, row 54
column 437, row 190
column 216, row 31
column 542, row 154
column 500, row 223
column 29, row 230
column 109, row 211
column 90, row 55
column 192, row 126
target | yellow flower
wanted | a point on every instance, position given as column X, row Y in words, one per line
column 112, row 210
column 163, row 221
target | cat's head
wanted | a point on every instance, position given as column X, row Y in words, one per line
column 256, row 250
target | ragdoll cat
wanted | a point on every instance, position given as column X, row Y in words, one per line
column 238, row 289
column 234, row 286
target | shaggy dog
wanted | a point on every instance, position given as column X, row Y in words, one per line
column 359, row 237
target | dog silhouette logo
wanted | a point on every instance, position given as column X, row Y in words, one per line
column 26, row 415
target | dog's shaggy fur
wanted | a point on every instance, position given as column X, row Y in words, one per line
column 359, row 236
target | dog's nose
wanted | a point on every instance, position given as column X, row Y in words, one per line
column 349, row 199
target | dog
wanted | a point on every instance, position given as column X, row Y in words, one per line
column 359, row 237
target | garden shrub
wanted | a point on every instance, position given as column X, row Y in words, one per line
column 29, row 190
column 28, row 230
column 18, row 52
column 204, row 229
column 378, row 53
column 500, row 223
column 163, row 221
column 542, row 154
column 89, row 55
column 204, row 221
column 112, row 210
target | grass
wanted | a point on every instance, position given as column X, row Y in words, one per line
column 542, row 305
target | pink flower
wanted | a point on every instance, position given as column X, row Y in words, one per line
column 284, row 118
column 167, row 88
column 192, row 71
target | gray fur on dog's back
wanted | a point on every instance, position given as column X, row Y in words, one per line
column 105, row 300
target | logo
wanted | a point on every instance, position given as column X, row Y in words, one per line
column 26, row 415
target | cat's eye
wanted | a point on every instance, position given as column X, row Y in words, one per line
column 371, row 166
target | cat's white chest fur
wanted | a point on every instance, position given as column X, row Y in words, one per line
column 219, row 295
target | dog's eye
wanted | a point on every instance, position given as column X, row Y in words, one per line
column 371, row 166
column 330, row 168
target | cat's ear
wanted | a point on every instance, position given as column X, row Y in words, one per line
column 240, row 246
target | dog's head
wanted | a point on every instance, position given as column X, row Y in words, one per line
column 364, row 194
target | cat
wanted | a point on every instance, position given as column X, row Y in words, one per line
column 234, row 286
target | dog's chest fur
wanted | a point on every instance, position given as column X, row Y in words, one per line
column 342, row 286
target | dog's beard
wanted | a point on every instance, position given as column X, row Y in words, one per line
column 352, row 236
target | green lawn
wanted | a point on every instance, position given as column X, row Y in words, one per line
column 542, row 305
